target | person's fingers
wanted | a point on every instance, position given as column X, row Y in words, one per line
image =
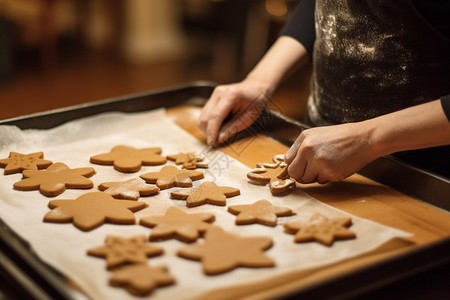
column 216, row 117
column 297, row 168
column 207, row 109
column 310, row 174
column 239, row 122
column 291, row 154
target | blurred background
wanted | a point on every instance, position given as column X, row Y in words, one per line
column 56, row 53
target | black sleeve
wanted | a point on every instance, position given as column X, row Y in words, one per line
column 301, row 24
column 445, row 102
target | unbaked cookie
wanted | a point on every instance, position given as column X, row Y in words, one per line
column 321, row 229
column 130, row 189
column 222, row 251
column 170, row 176
column 92, row 210
column 207, row 192
column 120, row 250
column 141, row 279
column 55, row 179
column 177, row 223
column 17, row 162
column 262, row 212
column 129, row 159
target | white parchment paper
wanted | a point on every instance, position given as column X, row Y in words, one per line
column 64, row 247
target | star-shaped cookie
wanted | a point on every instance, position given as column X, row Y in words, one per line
column 92, row 210
column 274, row 174
column 17, row 162
column 129, row 159
column 321, row 229
column 222, row 251
column 262, row 212
column 120, row 250
column 130, row 189
column 207, row 192
column 55, row 179
column 170, row 176
column 141, row 279
column 177, row 223
column 189, row 160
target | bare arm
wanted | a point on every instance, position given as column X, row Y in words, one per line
column 246, row 99
column 333, row 153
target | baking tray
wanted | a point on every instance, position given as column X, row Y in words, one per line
column 23, row 274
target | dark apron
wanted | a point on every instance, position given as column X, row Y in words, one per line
column 374, row 57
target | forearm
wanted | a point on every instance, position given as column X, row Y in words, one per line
column 284, row 57
column 417, row 127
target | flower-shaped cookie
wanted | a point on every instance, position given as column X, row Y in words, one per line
column 262, row 212
column 170, row 176
column 55, row 179
column 207, row 192
column 141, row 279
column 17, row 162
column 222, row 251
column 177, row 223
column 92, row 210
column 189, row 160
column 129, row 159
column 321, row 229
column 120, row 250
column 130, row 189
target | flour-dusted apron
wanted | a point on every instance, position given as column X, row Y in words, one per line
column 374, row 57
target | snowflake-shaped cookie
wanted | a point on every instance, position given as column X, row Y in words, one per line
column 55, row 179
column 129, row 159
column 17, row 162
column 207, row 192
column 130, row 189
column 170, row 176
column 262, row 212
column 177, row 223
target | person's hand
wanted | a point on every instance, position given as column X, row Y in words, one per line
column 329, row 153
column 230, row 109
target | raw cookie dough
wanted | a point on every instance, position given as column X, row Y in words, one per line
column 17, row 162
column 177, row 223
column 120, row 250
column 262, row 212
column 207, row 192
column 92, row 210
column 55, row 179
column 130, row 189
column 222, row 251
column 321, row 229
column 128, row 159
column 170, row 176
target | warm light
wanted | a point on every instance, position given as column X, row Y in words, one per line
column 277, row 8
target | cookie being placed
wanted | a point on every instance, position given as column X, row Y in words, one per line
column 130, row 189
column 274, row 174
column 141, row 279
column 92, row 210
column 55, row 179
column 119, row 250
column 179, row 224
column 207, row 192
column 222, row 252
column 170, row 176
column 17, row 162
column 189, row 160
column 262, row 212
column 128, row 159
column 321, row 229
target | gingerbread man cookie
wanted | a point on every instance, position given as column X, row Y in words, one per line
column 262, row 212
column 177, row 223
column 92, row 210
column 119, row 250
column 321, row 229
column 274, row 174
column 55, row 179
column 17, row 162
column 189, row 160
column 170, row 176
column 128, row 159
column 207, row 192
column 130, row 189
column 222, row 251
column 141, row 279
